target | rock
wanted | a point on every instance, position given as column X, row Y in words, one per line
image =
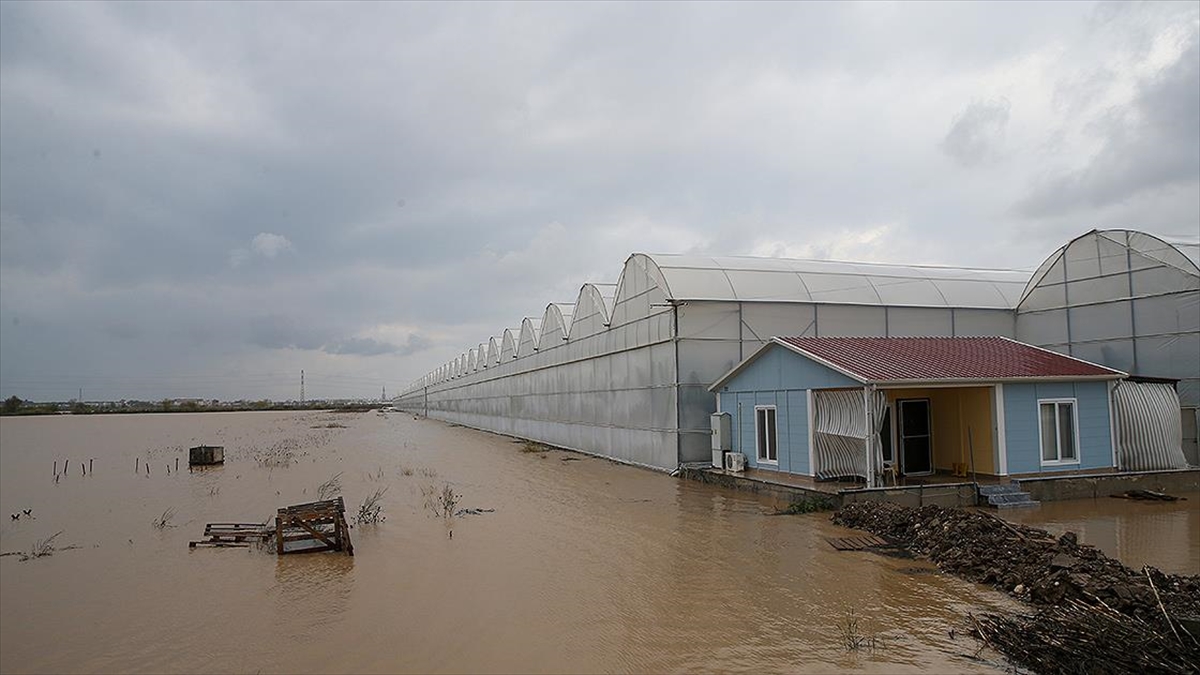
column 1063, row 561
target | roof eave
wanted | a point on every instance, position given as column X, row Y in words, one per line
column 996, row 380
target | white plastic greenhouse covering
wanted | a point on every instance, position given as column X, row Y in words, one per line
column 629, row 381
column 1148, row 426
column 1125, row 299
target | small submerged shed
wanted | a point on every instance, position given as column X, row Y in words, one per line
column 203, row 455
column 833, row 407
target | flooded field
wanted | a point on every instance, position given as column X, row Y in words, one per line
column 1165, row 535
column 583, row 566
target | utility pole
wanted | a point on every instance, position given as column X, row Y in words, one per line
column 301, row 386
column 383, row 396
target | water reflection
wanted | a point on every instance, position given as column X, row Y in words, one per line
column 311, row 592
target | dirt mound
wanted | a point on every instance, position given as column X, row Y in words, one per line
column 1078, row 589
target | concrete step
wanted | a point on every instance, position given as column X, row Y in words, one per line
column 1004, row 497
column 1017, row 505
column 1009, row 498
column 998, row 489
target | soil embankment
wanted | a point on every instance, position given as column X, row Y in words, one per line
column 1093, row 614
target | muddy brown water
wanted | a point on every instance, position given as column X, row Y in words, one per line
column 584, row 566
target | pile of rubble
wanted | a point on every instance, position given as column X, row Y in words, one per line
column 1093, row 612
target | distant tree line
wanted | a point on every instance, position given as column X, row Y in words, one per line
column 14, row 405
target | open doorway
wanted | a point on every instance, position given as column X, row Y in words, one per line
column 914, row 437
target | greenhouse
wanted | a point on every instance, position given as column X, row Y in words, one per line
column 624, row 371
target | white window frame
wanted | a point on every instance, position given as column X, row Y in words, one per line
column 759, row 453
column 1075, row 428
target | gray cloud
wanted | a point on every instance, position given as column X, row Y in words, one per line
column 977, row 132
column 1151, row 146
column 370, row 347
column 148, row 146
column 275, row 331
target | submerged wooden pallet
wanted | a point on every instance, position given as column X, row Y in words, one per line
column 232, row 535
column 302, row 528
column 315, row 526
column 857, row 543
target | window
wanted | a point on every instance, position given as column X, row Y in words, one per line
column 764, row 430
column 1056, row 423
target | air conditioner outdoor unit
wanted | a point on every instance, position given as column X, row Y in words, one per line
column 735, row 461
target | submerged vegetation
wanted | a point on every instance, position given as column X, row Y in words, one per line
column 41, row 548
column 441, row 500
column 164, row 521
column 806, row 505
column 370, row 511
column 330, row 488
column 852, row 636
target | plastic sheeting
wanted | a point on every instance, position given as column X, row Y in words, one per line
column 1124, row 299
column 840, row 433
column 687, row 277
column 1149, row 430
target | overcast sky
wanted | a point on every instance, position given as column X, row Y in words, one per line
column 204, row 199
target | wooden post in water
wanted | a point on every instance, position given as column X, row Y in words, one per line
column 137, row 464
column 90, row 465
column 56, row 468
column 65, row 463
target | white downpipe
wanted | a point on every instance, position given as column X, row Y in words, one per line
column 812, row 420
column 1001, row 434
column 869, row 441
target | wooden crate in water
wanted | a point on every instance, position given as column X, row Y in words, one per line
column 206, row 454
column 316, row 526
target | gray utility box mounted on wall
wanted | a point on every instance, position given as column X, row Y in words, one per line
column 721, row 438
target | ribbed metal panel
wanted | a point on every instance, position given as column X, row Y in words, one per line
column 1148, row 426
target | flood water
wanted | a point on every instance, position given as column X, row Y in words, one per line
column 584, row 565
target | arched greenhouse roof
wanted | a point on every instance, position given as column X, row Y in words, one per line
column 556, row 323
column 530, row 337
column 593, row 310
column 747, row 279
column 1090, row 255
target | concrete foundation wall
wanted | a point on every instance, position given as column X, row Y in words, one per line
column 1089, row 487
column 948, row 496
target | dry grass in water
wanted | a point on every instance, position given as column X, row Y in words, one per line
column 852, row 637
column 330, row 488
column 164, row 521
column 530, row 446
column 441, row 500
column 371, row 510
column 41, row 548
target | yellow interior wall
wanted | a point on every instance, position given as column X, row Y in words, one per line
column 977, row 414
column 953, row 410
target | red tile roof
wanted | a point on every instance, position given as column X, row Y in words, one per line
column 872, row 359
